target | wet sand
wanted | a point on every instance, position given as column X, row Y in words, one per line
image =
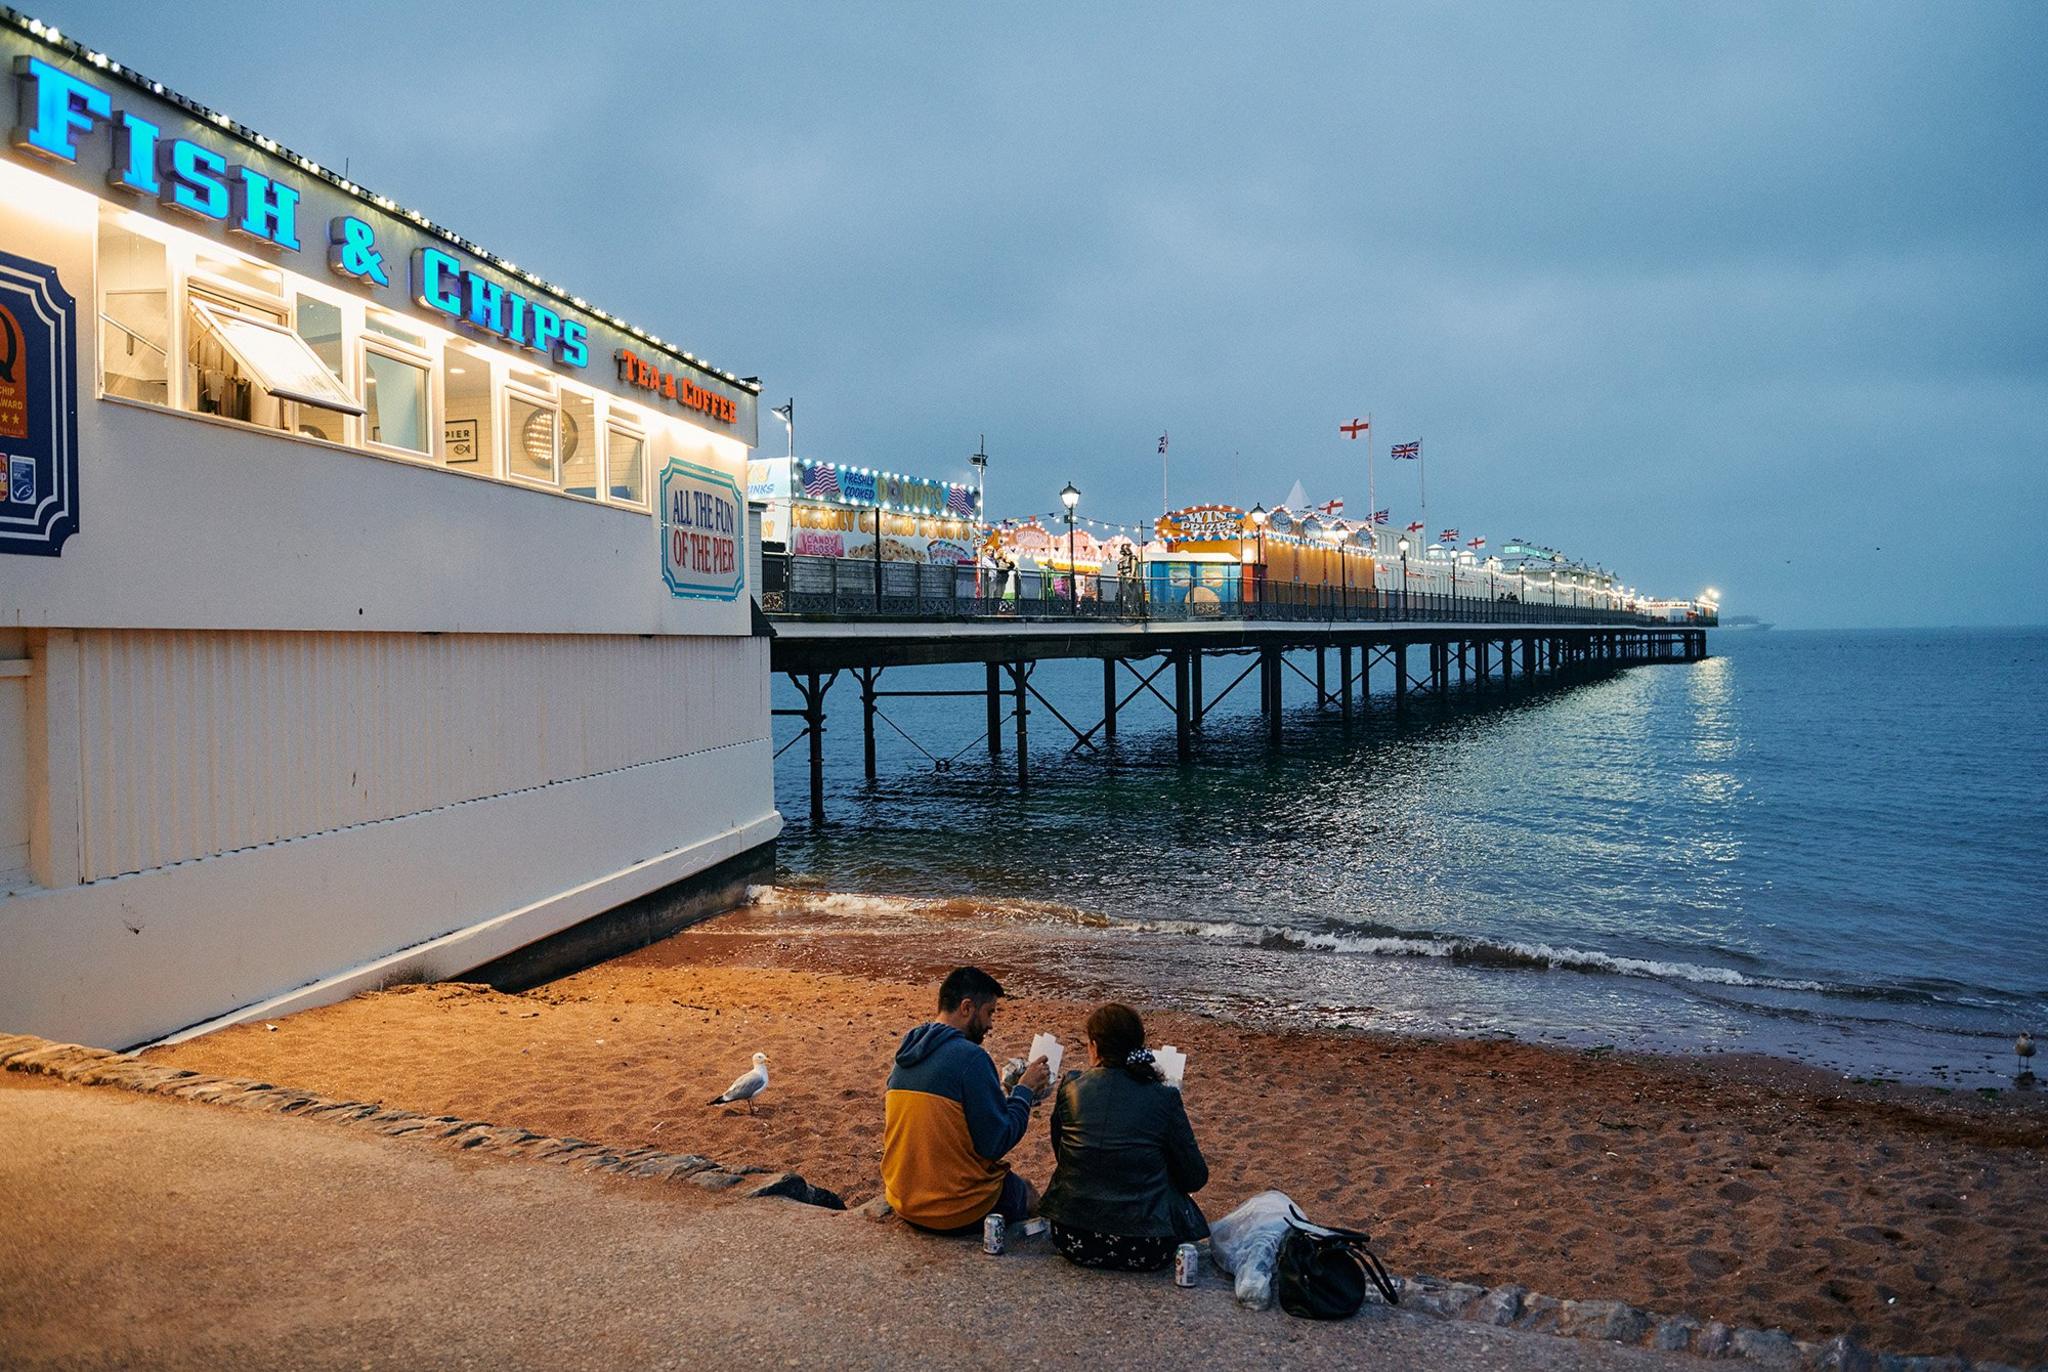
column 1743, row 1190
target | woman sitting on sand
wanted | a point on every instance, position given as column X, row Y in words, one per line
column 1124, row 1156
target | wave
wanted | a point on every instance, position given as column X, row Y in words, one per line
column 1540, row 957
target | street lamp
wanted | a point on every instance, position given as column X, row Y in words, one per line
column 1070, row 498
column 1259, row 521
column 1403, row 546
column 980, row 460
column 787, row 414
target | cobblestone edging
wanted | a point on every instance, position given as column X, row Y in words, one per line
column 98, row 1067
column 1617, row 1322
column 1502, row 1306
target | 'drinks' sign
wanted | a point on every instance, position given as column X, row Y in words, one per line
column 703, row 525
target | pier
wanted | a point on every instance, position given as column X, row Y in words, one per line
column 1436, row 651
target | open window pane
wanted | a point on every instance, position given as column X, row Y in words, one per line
column 395, row 414
column 135, row 317
column 319, row 323
column 578, row 420
column 274, row 358
column 530, row 440
column 628, row 454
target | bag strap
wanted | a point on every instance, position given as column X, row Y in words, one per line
column 1351, row 1243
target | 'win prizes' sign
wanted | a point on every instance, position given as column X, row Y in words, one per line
column 703, row 528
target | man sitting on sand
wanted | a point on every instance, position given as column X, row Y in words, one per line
column 947, row 1123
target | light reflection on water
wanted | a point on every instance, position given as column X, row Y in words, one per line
column 1861, row 811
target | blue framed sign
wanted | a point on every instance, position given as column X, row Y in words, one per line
column 38, row 409
column 703, row 533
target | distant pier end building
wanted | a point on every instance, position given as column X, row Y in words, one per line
column 370, row 609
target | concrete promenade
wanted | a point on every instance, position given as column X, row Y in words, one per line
column 138, row 1231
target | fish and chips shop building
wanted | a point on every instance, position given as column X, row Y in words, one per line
column 370, row 608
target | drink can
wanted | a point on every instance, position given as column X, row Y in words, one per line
column 992, row 1234
column 1187, row 1265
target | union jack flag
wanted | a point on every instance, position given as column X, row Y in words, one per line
column 1332, row 507
column 1162, row 443
column 1379, row 516
column 1476, row 543
column 1447, row 536
column 821, row 481
column 960, row 501
column 1416, row 527
column 1405, row 450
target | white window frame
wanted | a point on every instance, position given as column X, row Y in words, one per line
column 395, row 351
column 510, row 391
column 618, row 426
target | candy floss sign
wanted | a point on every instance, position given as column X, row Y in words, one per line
column 702, row 523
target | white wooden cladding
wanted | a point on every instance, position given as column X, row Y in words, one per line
column 196, row 743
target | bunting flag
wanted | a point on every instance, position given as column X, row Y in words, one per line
column 1416, row 527
column 1379, row 516
column 1331, row 508
column 1162, row 443
column 1407, row 451
column 1447, row 536
column 1355, row 428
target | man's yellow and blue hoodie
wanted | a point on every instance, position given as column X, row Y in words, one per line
column 946, row 1127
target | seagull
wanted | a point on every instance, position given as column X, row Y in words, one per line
column 749, row 1085
column 2023, row 1049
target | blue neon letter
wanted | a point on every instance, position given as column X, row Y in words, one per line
column 547, row 329
column 134, row 166
column 575, row 344
column 486, row 303
column 433, row 276
column 62, row 105
column 516, row 329
column 266, row 209
column 198, row 180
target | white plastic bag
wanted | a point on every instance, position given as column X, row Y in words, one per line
column 1246, row 1243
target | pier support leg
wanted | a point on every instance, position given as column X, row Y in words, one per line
column 1183, row 709
column 1344, row 679
column 1400, row 680
column 867, row 718
column 1274, row 694
column 1322, row 678
column 1529, row 663
column 995, row 710
column 1020, row 674
column 814, row 726
column 1109, row 697
column 1196, row 698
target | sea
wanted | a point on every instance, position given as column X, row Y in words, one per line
column 1826, row 847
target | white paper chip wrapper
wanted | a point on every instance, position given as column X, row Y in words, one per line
column 1047, row 1047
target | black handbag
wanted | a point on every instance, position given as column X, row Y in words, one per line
column 1322, row 1270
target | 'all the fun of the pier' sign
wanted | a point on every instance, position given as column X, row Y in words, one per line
column 702, row 528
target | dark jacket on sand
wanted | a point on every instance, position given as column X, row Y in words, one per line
column 1124, row 1159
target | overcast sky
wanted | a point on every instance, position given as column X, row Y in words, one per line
column 1745, row 296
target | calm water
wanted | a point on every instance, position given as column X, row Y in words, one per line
column 1827, row 846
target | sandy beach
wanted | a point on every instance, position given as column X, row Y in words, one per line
column 1734, row 1189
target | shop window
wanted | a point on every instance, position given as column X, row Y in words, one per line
column 394, row 402
column 135, row 315
column 578, row 442
column 530, row 441
column 246, row 365
column 319, row 323
column 468, row 435
column 626, row 456
column 393, row 326
column 242, row 272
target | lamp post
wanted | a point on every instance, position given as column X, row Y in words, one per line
column 1259, row 521
column 787, row 414
column 1403, row 546
column 1334, row 536
column 980, row 460
column 1070, row 498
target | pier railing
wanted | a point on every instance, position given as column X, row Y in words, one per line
column 846, row 588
